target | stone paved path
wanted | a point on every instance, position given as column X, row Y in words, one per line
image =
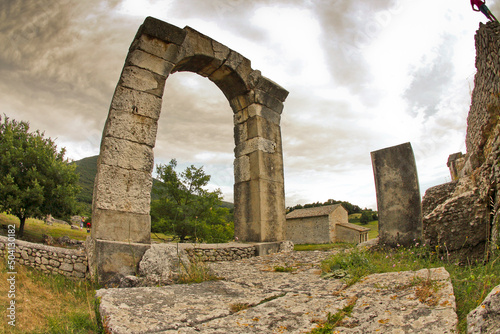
column 253, row 298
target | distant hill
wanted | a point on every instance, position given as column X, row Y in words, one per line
column 87, row 168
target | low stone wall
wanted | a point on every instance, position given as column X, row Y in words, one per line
column 211, row 254
column 49, row 259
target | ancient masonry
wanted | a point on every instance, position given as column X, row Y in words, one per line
column 398, row 195
column 216, row 254
column 54, row 260
column 121, row 204
column 462, row 217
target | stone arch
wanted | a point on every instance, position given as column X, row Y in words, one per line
column 121, row 203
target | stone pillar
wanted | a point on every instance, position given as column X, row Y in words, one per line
column 259, row 193
column 398, row 195
column 121, row 223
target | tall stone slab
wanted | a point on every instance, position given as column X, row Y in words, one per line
column 121, row 203
column 398, row 195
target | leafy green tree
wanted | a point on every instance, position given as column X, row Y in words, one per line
column 185, row 208
column 366, row 217
column 35, row 178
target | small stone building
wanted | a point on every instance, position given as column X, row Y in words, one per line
column 321, row 225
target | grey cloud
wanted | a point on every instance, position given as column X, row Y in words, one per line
column 60, row 61
column 194, row 120
column 349, row 27
column 329, row 139
column 431, row 81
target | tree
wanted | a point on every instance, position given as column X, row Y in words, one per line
column 366, row 217
column 35, row 178
column 185, row 208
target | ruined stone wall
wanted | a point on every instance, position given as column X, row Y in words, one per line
column 54, row 260
column 221, row 254
column 483, row 114
column 462, row 217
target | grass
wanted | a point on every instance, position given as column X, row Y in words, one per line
column 334, row 320
column 284, row 269
column 48, row 303
column 195, row 272
column 321, row 247
column 471, row 283
column 35, row 228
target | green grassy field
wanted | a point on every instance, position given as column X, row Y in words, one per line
column 373, row 225
column 34, row 229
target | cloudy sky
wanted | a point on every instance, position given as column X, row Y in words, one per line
column 362, row 76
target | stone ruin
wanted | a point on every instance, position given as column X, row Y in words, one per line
column 121, row 204
column 398, row 195
column 462, row 217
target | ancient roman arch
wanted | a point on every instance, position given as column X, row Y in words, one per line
column 121, row 203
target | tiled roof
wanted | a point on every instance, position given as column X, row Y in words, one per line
column 312, row 212
column 355, row 227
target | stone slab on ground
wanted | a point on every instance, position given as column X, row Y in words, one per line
column 253, row 298
column 486, row 317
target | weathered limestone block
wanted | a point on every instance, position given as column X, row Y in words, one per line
column 398, row 195
column 262, row 219
column 254, row 144
column 121, row 226
column 486, row 317
column 126, row 154
column 169, row 51
column 270, row 87
column 162, row 31
column 266, row 166
column 254, row 110
column 161, row 262
column 122, row 190
column 240, row 133
column 242, row 169
column 243, row 101
column 232, row 76
column 66, row 266
column 202, row 55
column 260, row 127
column 135, row 102
column 130, row 126
column 149, row 62
column 142, row 80
column 110, row 261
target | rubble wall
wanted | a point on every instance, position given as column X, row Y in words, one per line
column 461, row 217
